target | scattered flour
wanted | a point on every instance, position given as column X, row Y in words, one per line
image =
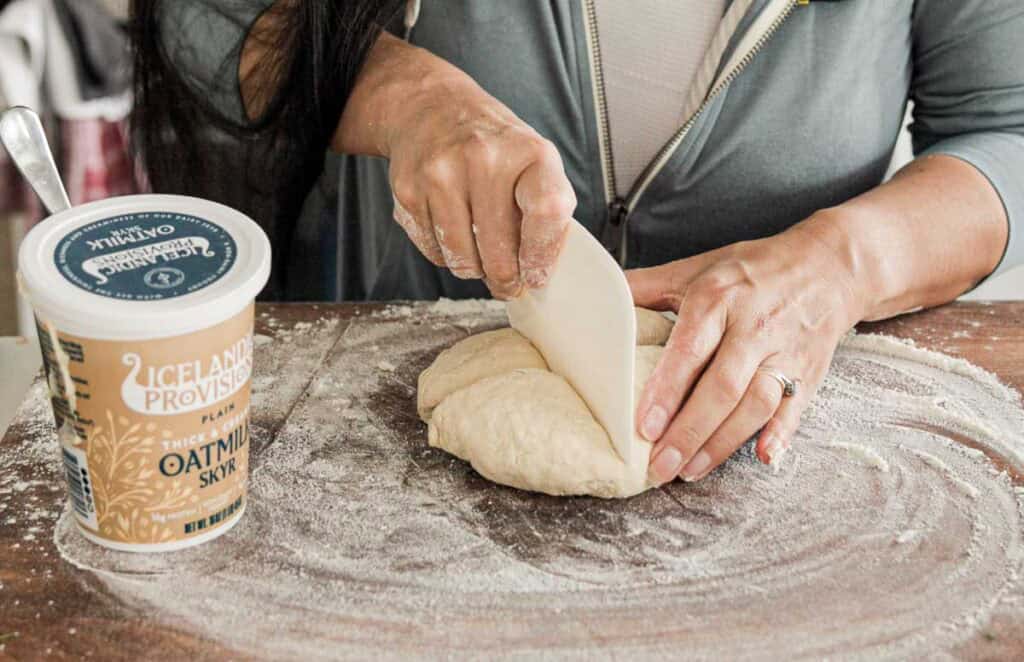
column 907, row 536
column 867, row 455
column 397, row 311
column 360, row 539
column 949, row 472
column 466, row 307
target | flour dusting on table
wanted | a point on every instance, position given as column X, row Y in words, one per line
column 892, row 527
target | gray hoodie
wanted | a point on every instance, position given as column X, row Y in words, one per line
column 807, row 106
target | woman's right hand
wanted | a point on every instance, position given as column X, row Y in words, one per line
column 476, row 189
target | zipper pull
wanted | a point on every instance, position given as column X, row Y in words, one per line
column 617, row 211
column 614, row 235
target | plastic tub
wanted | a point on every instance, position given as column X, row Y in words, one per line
column 144, row 307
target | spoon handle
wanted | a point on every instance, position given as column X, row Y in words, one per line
column 22, row 134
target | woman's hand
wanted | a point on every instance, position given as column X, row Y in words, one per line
column 778, row 305
column 476, row 189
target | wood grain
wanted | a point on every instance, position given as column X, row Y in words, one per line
column 49, row 608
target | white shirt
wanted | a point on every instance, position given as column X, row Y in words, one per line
column 650, row 52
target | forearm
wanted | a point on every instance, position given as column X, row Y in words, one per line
column 920, row 240
column 402, row 85
column 382, row 89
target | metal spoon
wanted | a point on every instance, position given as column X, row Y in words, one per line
column 22, row 134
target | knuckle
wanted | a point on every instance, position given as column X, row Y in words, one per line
column 727, row 386
column 480, row 151
column 715, row 285
column 684, row 436
column 544, row 150
column 764, row 396
column 550, row 208
column 698, row 303
column 406, row 193
column 685, row 347
column 440, row 171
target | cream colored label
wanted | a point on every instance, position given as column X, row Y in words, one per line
column 154, row 434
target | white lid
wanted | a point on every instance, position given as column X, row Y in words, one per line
column 143, row 266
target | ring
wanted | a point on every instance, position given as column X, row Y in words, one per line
column 789, row 386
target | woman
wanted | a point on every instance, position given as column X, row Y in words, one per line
column 730, row 153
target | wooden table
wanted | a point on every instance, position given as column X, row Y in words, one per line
column 49, row 607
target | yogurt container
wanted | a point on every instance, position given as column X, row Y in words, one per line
column 144, row 307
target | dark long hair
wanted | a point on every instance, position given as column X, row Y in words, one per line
column 187, row 144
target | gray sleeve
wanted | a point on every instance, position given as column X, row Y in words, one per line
column 968, row 92
column 203, row 39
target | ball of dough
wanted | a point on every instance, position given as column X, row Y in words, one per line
column 497, row 352
column 652, row 328
column 471, row 360
column 528, row 428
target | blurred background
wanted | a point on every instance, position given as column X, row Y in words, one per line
column 69, row 59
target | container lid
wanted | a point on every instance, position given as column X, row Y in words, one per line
column 143, row 266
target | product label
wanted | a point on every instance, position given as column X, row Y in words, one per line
column 154, row 434
column 146, row 256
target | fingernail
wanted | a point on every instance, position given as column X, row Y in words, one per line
column 665, row 466
column 535, row 277
column 654, row 424
column 505, row 290
column 697, row 467
column 773, row 450
column 775, row 461
column 469, row 273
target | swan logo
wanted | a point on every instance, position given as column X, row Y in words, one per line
column 179, row 388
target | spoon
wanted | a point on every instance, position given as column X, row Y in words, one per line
column 22, row 134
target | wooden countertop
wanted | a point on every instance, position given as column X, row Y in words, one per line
column 48, row 607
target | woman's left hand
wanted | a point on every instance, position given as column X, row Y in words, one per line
column 777, row 305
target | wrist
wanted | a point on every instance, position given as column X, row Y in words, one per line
column 400, row 86
column 835, row 235
column 364, row 122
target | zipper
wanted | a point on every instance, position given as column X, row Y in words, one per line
column 604, row 132
column 613, row 233
column 619, row 209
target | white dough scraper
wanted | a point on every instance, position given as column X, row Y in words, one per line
column 583, row 323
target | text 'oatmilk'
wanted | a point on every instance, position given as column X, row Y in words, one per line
column 144, row 308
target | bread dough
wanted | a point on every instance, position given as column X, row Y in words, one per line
column 471, row 360
column 497, row 352
column 652, row 328
column 490, row 400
